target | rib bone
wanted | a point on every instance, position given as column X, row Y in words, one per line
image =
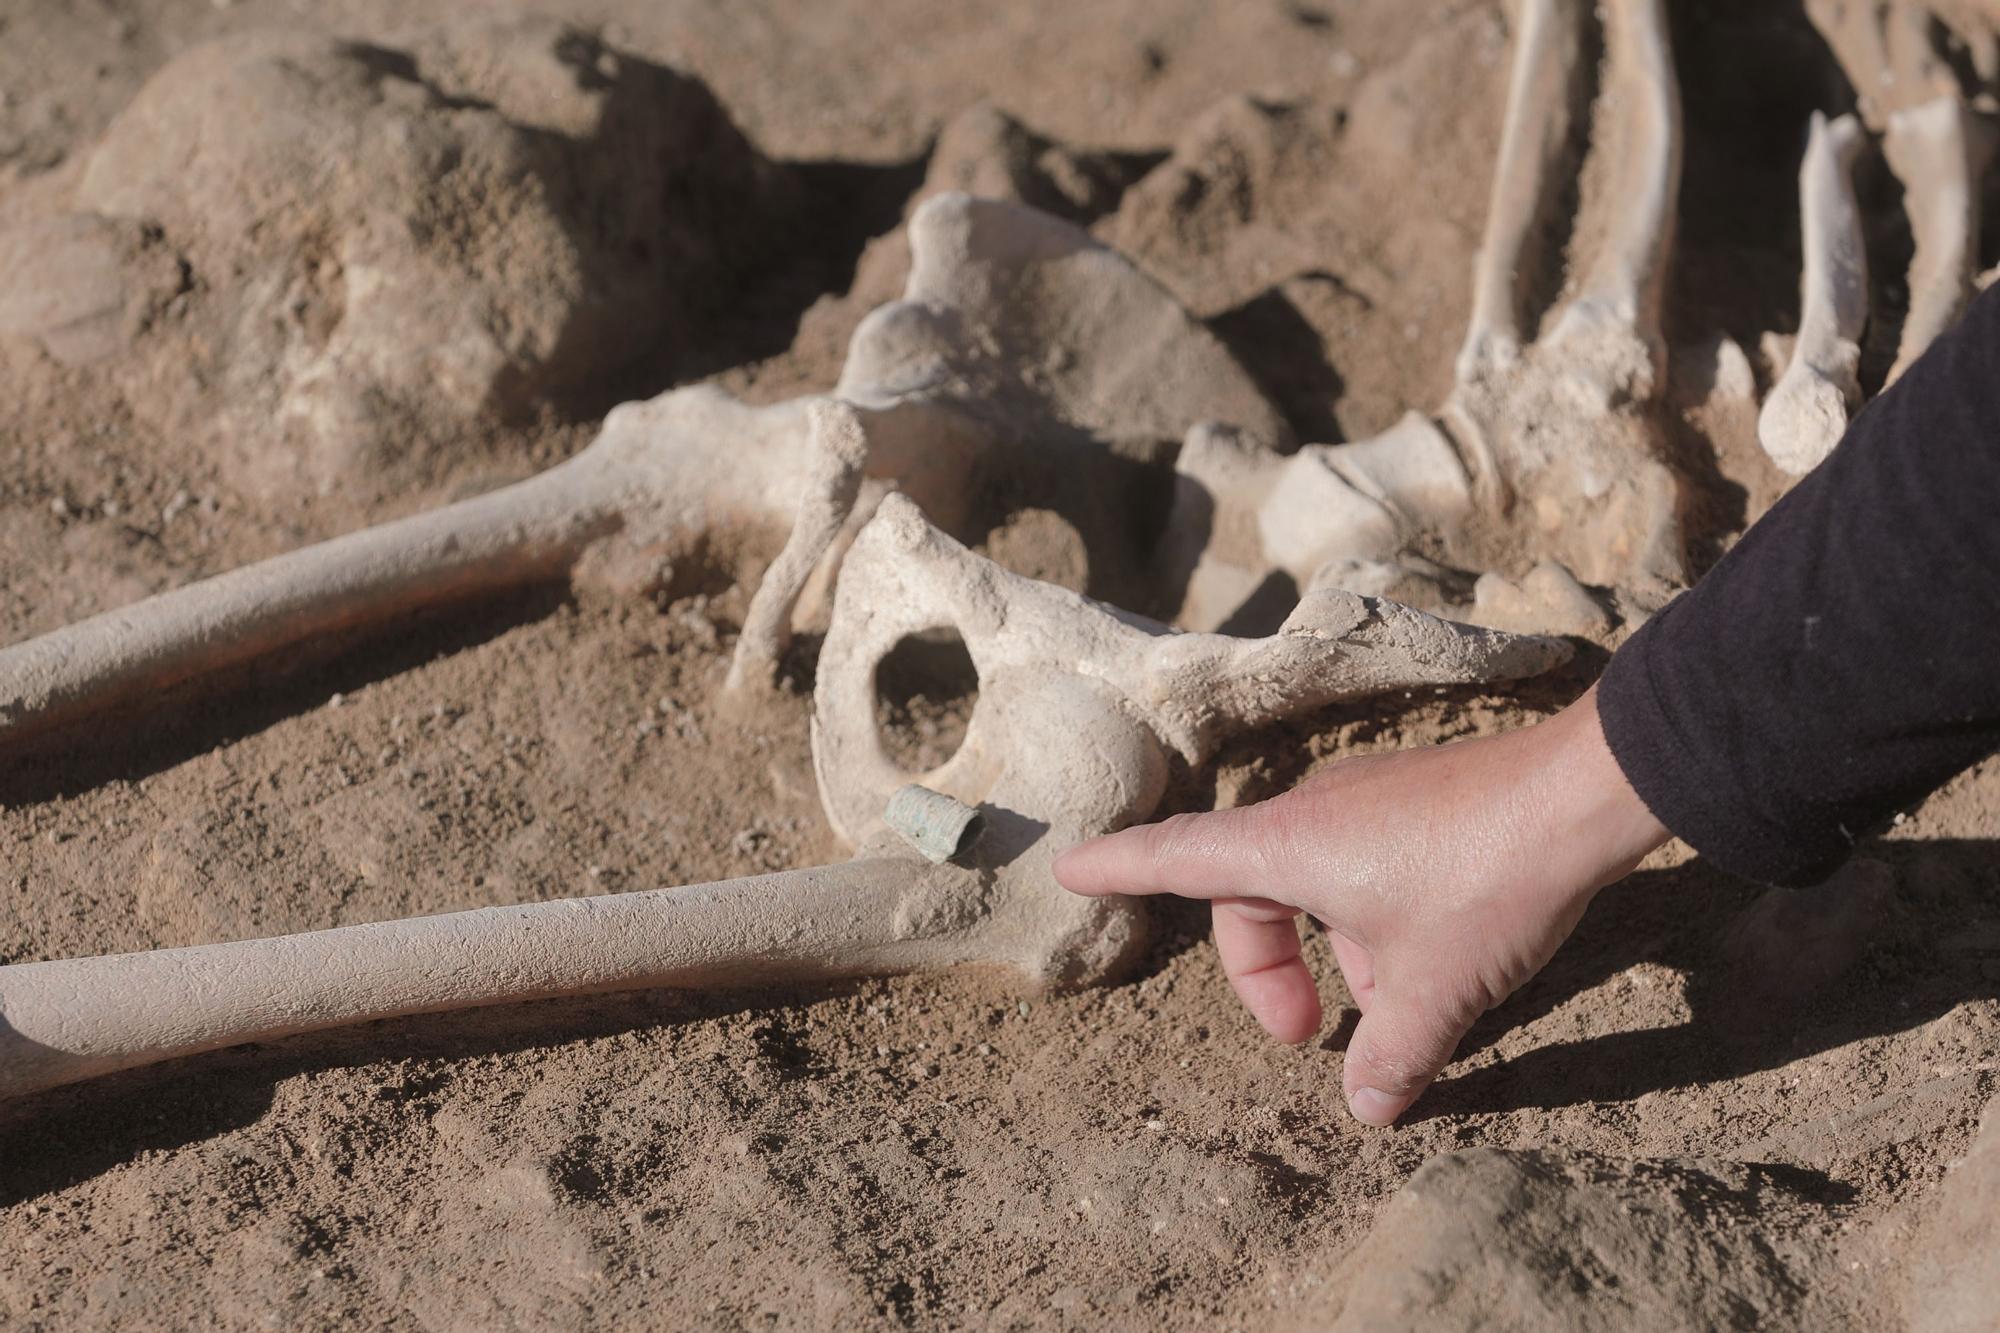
column 1561, row 431
column 1807, row 412
column 1081, row 711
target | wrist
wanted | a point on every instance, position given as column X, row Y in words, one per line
column 1603, row 828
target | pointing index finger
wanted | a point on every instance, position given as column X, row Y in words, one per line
column 1214, row 855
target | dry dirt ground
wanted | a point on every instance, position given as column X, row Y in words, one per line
column 927, row 1152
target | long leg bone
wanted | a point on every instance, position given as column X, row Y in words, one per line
column 1547, row 56
column 1910, row 92
column 658, row 470
column 82, row 1018
column 1807, row 412
column 1082, row 710
column 1561, row 431
column 1937, row 152
column 1611, row 327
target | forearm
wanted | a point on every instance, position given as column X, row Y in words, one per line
column 1844, row 659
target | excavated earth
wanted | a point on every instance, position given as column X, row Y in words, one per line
column 1717, row 1107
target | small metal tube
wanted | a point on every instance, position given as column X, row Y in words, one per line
column 940, row 827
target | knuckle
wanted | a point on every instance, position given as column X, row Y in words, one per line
column 1169, row 843
column 1408, row 1053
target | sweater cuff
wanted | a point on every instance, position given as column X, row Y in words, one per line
column 1683, row 771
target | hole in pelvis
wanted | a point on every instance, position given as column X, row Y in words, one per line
column 925, row 689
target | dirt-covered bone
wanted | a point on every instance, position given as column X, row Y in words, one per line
column 1081, row 713
column 1807, row 411
column 659, row 474
column 1918, row 67
column 1027, row 365
column 1938, row 151
column 1550, row 442
column 452, row 230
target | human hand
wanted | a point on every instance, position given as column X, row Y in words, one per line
column 1446, row 877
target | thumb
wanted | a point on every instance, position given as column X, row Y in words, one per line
column 1397, row 1048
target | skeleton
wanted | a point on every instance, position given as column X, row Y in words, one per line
column 1023, row 356
column 1557, row 429
column 1082, row 712
column 1936, row 146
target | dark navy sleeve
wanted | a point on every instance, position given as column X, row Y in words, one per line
column 1843, row 660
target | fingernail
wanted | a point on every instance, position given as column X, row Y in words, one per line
column 1373, row 1108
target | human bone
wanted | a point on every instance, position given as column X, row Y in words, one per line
column 1938, row 152
column 1551, row 439
column 1807, row 410
column 1025, row 360
column 497, row 213
column 1909, row 90
column 1082, row 711
column 658, row 472
column 1896, row 53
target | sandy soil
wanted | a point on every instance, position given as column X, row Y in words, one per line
column 924, row 1152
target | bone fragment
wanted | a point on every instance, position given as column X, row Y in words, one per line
column 1082, row 709
column 1548, row 598
column 1937, row 152
column 940, row 827
column 1807, row 412
column 1886, row 49
column 666, row 467
column 1244, row 513
column 836, row 459
column 1547, row 57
